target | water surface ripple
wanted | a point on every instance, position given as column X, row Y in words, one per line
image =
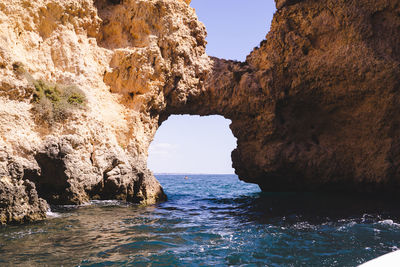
column 210, row 220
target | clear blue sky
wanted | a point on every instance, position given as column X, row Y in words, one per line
column 194, row 144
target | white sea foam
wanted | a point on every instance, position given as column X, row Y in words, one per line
column 106, row 202
column 389, row 222
column 377, row 231
column 347, row 226
column 52, row 214
column 304, row 226
column 21, row 234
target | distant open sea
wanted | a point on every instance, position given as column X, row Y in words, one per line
column 210, row 220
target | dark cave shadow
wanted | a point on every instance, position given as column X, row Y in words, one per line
column 315, row 208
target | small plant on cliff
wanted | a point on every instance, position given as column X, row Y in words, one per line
column 52, row 102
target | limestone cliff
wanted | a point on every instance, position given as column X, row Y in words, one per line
column 85, row 84
column 115, row 63
column 316, row 106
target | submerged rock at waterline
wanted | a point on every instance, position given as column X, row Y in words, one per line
column 315, row 107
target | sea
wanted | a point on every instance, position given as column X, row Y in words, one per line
column 210, row 220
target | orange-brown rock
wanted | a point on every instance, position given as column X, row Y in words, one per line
column 316, row 106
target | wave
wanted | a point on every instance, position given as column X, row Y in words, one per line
column 389, row 222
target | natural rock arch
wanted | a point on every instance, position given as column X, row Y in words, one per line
column 315, row 107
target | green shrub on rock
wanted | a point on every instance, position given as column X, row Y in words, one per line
column 52, row 102
column 55, row 103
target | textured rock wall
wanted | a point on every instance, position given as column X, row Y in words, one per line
column 316, row 106
column 332, row 70
column 127, row 57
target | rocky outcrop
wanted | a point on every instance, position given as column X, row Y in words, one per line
column 19, row 200
column 316, row 106
column 82, row 84
column 85, row 84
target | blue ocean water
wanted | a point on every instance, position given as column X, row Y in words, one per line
column 210, row 220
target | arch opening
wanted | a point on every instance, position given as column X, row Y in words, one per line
column 234, row 29
column 192, row 144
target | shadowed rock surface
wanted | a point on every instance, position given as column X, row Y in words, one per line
column 316, row 106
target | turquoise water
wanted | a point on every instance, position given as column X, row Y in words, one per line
column 210, row 220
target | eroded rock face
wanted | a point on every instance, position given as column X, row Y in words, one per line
column 316, row 106
column 19, row 201
column 128, row 57
column 331, row 69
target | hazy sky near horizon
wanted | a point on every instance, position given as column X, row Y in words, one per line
column 194, row 144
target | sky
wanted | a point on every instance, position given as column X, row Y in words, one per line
column 194, row 144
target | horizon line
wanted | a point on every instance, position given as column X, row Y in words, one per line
column 190, row 173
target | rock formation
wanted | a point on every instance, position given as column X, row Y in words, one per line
column 125, row 58
column 84, row 85
column 316, row 106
